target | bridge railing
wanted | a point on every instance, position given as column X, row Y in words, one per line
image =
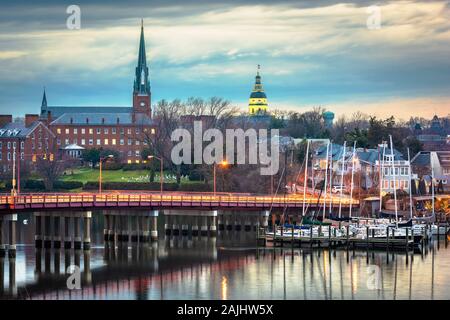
column 158, row 198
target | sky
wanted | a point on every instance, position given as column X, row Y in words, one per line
column 312, row 53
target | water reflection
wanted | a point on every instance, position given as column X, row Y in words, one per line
column 226, row 267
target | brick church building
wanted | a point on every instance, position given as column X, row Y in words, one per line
column 122, row 129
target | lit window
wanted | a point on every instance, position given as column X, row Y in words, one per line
column 153, row 131
column 129, row 161
column 67, row 130
column 58, row 130
column 83, row 131
column 67, row 142
column 106, row 142
column 129, row 131
column 91, row 131
column 83, row 142
column 113, row 142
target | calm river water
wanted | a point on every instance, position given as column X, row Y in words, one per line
column 229, row 267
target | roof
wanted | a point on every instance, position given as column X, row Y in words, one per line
column 17, row 130
column 421, row 159
column 258, row 95
column 57, row 111
column 73, row 147
column 102, row 119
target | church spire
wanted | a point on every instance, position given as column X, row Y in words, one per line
column 44, row 100
column 141, row 88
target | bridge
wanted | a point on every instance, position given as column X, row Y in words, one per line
column 146, row 200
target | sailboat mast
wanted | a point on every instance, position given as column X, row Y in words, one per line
column 325, row 181
column 393, row 177
column 331, row 178
column 306, row 178
column 432, row 186
column 382, row 173
column 353, row 173
column 342, row 178
column 409, row 184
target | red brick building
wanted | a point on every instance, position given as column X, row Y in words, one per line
column 21, row 143
column 122, row 129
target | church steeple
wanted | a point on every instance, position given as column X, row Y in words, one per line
column 44, row 100
column 141, row 89
column 258, row 100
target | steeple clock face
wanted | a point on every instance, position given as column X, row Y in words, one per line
column 142, row 104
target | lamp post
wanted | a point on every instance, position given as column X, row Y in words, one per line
column 100, row 171
column 224, row 163
column 13, row 184
column 161, row 173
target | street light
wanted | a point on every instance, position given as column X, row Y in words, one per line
column 161, row 173
column 100, row 172
column 224, row 163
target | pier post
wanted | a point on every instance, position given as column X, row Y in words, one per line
column 76, row 232
column 145, row 228
column 237, row 222
column 228, row 221
column 220, row 222
column 87, row 230
column 212, row 227
column 154, row 231
column 167, row 226
column 204, row 226
column 48, row 231
column 125, row 229
column 134, row 221
column 247, row 223
column 195, row 226
column 12, row 236
column 106, row 226
column 184, row 226
column 67, row 236
column 114, row 229
column 175, row 227
column 56, row 231
column 37, row 230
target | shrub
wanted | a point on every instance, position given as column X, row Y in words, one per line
column 149, row 186
column 112, row 166
column 67, row 185
column 197, row 187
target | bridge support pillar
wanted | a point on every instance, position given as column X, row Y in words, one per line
column 154, row 231
column 247, row 223
column 220, row 222
column 145, row 233
column 195, row 226
column 175, row 226
column 237, row 222
column 87, row 216
column 37, row 230
column 184, row 226
column 2, row 246
column 56, row 231
column 264, row 219
column 213, row 224
column 167, row 225
column 204, row 226
column 67, row 236
column 228, row 221
column 125, row 232
column 12, row 237
column 106, row 226
column 114, row 227
column 76, row 232
column 48, row 230
column 134, row 221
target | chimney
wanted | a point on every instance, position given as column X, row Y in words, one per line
column 118, row 120
column 30, row 118
column 103, row 120
column 5, row 119
column 87, row 120
column 71, row 120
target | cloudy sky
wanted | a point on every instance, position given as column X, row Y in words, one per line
column 311, row 53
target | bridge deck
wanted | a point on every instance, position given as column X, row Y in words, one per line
column 28, row 202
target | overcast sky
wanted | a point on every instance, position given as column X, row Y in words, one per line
column 311, row 53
